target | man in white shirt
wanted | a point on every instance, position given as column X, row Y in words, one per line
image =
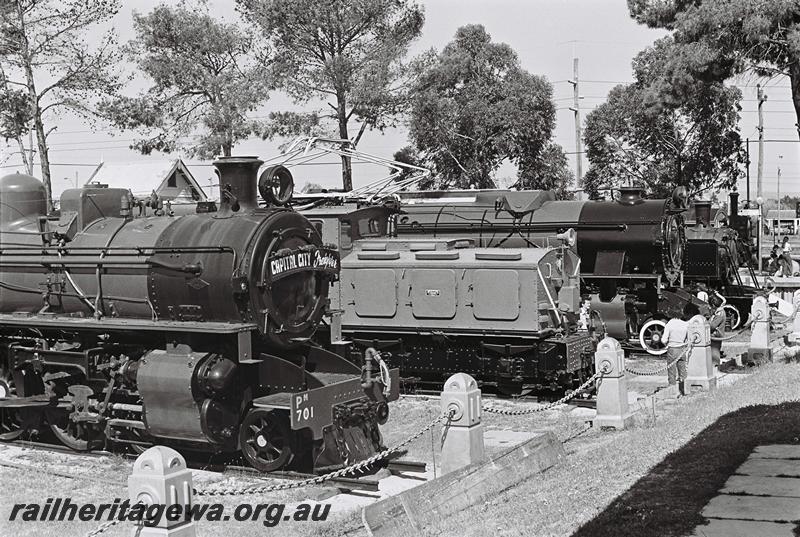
column 676, row 339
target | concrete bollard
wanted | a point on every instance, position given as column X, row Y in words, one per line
column 160, row 477
column 700, row 366
column 612, row 389
column 759, row 350
column 794, row 337
column 462, row 441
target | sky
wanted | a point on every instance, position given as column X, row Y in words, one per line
column 546, row 34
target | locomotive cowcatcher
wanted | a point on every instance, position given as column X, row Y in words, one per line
column 124, row 329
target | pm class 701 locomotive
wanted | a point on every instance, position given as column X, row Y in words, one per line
column 190, row 331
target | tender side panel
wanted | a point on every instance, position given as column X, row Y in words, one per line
column 433, row 293
column 374, row 292
column 497, row 295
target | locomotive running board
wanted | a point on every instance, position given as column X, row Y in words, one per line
column 116, row 323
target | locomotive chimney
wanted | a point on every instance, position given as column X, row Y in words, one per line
column 630, row 195
column 238, row 182
column 734, row 208
column 702, row 211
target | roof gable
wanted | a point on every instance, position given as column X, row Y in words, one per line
column 142, row 178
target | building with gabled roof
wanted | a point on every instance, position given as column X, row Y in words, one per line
column 169, row 179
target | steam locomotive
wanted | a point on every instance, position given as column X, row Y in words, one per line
column 631, row 250
column 124, row 328
column 716, row 249
column 637, row 256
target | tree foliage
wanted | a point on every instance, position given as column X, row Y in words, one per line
column 718, row 39
column 546, row 171
column 473, row 107
column 346, row 51
column 648, row 135
column 205, row 83
column 47, row 68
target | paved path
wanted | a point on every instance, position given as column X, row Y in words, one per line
column 761, row 499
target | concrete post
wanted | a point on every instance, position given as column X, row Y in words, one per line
column 759, row 350
column 462, row 441
column 612, row 389
column 700, row 366
column 160, row 477
column 794, row 337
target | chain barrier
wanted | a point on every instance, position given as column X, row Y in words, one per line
column 732, row 335
column 570, row 396
column 105, row 526
column 353, row 468
column 683, row 355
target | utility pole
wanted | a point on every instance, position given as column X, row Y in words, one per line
column 576, row 108
column 761, row 100
column 747, row 164
column 780, row 157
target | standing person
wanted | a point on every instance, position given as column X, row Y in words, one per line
column 584, row 317
column 676, row 339
column 786, row 248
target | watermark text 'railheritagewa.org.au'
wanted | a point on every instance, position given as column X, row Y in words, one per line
column 64, row 509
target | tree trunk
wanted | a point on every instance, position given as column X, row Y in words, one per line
column 36, row 113
column 347, row 165
column 44, row 159
column 28, row 163
column 360, row 134
column 794, row 78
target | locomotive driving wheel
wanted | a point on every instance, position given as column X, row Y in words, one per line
column 76, row 435
column 650, row 336
column 266, row 439
column 75, row 425
column 10, row 420
column 732, row 317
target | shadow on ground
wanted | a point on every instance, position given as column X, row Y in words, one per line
column 668, row 500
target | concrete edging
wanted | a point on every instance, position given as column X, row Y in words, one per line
column 414, row 509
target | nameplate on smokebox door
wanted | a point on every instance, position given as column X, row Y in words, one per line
column 320, row 259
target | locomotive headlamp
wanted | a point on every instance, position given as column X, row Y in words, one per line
column 276, row 185
column 568, row 237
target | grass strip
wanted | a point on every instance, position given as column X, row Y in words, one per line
column 603, row 468
column 669, row 499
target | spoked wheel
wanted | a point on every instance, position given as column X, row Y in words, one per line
column 10, row 420
column 650, row 336
column 597, row 327
column 733, row 318
column 266, row 440
column 76, row 435
column 76, row 425
column 7, row 388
